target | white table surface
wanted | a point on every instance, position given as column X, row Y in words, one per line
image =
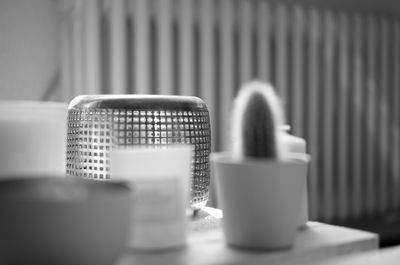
column 386, row 256
column 317, row 242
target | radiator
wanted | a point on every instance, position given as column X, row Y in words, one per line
column 338, row 74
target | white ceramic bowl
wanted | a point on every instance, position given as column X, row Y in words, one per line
column 62, row 221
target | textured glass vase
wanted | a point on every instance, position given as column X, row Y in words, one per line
column 98, row 123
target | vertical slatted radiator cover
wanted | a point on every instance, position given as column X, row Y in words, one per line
column 337, row 72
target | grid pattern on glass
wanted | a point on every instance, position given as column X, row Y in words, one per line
column 88, row 143
column 92, row 134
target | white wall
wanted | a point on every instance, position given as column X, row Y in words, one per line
column 28, row 47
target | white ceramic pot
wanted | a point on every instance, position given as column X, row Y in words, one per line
column 32, row 138
column 260, row 199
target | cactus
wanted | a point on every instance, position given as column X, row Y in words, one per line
column 257, row 121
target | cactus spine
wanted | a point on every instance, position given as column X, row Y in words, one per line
column 257, row 121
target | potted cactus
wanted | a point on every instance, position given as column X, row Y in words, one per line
column 259, row 185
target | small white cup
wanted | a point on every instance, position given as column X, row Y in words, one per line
column 159, row 179
column 32, row 138
column 260, row 199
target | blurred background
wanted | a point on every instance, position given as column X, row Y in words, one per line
column 335, row 64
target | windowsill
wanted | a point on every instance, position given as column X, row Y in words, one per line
column 207, row 246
